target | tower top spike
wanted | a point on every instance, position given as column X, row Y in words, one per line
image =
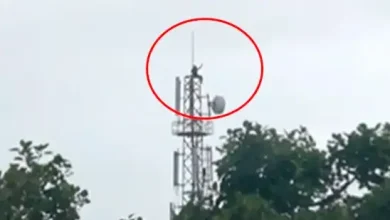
column 193, row 175
column 192, row 48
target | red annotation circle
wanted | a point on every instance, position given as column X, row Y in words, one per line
column 213, row 20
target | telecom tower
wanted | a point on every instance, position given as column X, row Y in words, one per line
column 192, row 164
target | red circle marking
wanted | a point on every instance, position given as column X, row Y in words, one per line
column 218, row 21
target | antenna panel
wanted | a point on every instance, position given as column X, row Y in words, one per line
column 177, row 94
column 176, row 156
column 209, row 159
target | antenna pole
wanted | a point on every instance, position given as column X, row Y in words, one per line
column 192, row 48
column 194, row 149
column 196, row 159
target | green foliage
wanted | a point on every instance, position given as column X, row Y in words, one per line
column 264, row 174
column 376, row 205
column 249, row 208
column 35, row 186
column 336, row 212
column 284, row 169
column 363, row 154
column 194, row 211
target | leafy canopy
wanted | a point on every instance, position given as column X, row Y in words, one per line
column 35, row 186
column 265, row 174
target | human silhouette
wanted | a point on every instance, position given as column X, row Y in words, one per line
column 195, row 72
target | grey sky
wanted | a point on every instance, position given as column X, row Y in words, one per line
column 72, row 74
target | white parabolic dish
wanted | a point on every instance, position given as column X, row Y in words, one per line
column 218, row 104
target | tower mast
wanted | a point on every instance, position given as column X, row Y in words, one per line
column 193, row 162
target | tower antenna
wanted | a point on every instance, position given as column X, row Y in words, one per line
column 192, row 48
column 192, row 164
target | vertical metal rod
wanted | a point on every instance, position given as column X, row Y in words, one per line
column 194, row 147
column 192, row 48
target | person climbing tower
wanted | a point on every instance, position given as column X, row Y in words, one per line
column 195, row 72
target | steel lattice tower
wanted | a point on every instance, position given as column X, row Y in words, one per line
column 193, row 173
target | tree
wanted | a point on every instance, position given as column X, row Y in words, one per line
column 293, row 176
column 249, row 207
column 284, row 169
column 375, row 205
column 35, row 186
column 262, row 174
column 194, row 211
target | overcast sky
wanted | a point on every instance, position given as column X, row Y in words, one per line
column 72, row 74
